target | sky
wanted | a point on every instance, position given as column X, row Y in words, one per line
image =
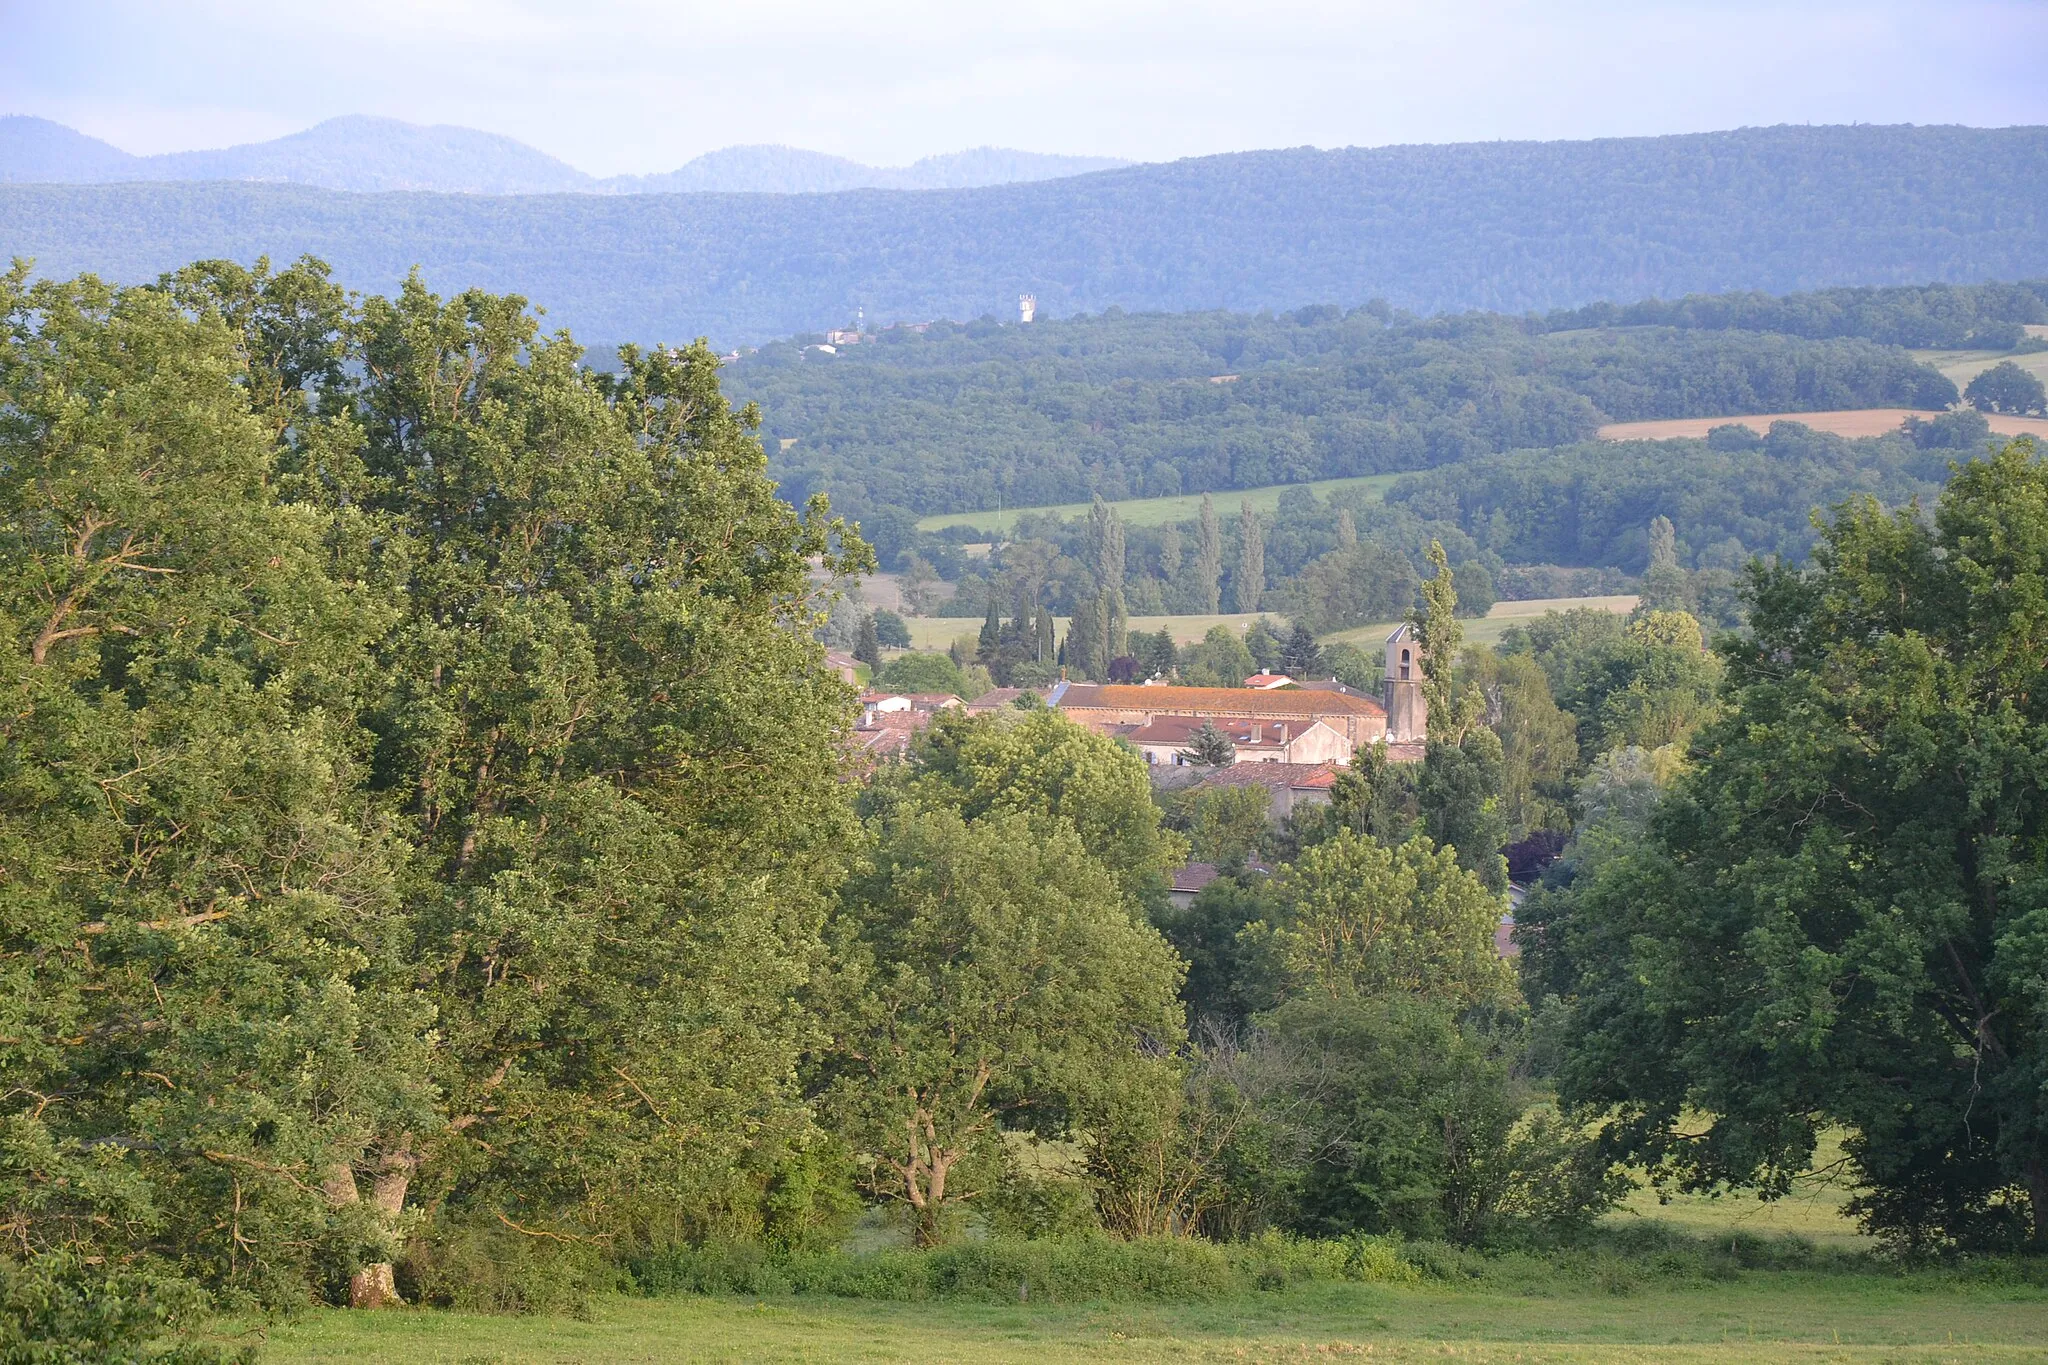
column 641, row 86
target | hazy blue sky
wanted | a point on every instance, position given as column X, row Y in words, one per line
column 643, row 85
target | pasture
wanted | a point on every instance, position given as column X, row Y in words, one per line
column 1608, row 1312
column 1161, row 511
column 1488, row 629
column 938, row 632
column 1963, row 366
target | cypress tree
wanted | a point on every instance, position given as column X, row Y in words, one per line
column 868, row 648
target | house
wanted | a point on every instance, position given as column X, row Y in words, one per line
column 1163, row 739
column 922, row 704
column 1266, row 682
column 1287, row 785
column 1000, row 699
column 889, row 721
column 844, row 664
column 1114, row 708
column 1187, row 881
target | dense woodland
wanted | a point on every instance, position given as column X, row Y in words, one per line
column 1509, row 226
column 429, row 867
column 980, row 416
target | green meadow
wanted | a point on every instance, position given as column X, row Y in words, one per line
column 1754, row 1316
column 1160, row 511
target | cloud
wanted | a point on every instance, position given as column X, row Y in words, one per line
column 639, row 85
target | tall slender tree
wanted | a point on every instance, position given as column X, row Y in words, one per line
column 1250, row 581
column 1209, row 560
column 1441, row 635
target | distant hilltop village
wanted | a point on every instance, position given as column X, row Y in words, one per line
column 1027, row 312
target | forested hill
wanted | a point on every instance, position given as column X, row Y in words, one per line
column 976, row 416
column 1506, row 226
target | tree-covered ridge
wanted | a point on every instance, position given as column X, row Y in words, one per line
column 1731, row 496
column 1512, row 226
column 979, row 416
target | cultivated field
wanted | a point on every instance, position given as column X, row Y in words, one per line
column 1488, row 629
column 1854, row 422
column 1160, row 511
column 937, row 632
column 1603, row 1316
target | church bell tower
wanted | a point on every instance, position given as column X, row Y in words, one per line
column 1401, row 693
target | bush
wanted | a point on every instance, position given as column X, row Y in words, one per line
column 920, row 673
column 485, row 1268
column 56, row 1310
column 1003, row 1270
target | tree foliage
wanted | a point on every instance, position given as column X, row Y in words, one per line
column 421, row 795
column 1838, row 919
column 1360, row 918
column 987, row 971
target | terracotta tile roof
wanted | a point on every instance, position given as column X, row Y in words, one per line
column 1193, row 877
column 1332, row 685
column 1245, row 732
column 1298, row 776
column 1268, row 680
column 1221, row 701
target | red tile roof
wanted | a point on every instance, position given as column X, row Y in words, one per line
column 1221, row 701
column 1244, row 731
column 1298, row 776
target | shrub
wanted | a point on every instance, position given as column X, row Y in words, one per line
column 57, row 1310
column 480, row 1267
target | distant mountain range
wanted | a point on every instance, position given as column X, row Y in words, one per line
column 376, row 154
column 1507, row 226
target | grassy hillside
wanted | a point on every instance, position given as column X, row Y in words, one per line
column 1158, row 511
column 1590, row 1319
column 1505, row 225
column 937, row 632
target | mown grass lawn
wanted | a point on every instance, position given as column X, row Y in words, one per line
column 1760, row 1316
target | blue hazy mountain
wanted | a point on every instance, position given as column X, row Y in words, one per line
column 1507, row 226
column 361, row 153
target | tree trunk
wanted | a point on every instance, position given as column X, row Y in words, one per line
column 2037, row 1195
column 375, row 1285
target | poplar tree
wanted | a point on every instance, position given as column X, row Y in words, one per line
column 1209, row 560
column 1250, row 583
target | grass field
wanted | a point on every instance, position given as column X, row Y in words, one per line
column 1963, row 366
column 1849, row 422
column 1756, row 1316
column 1159, row 511
column 938, row 632
column 1488, row 629
column 1813, row 1210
